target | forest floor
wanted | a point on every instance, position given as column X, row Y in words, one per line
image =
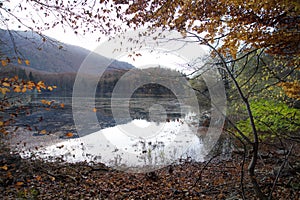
column 214, row 179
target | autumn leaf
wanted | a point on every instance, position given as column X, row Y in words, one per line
column 4, row 90
column 41, row 84
column 38, row 178
column 43, row 132
column 24, row 89
column 50, row 88
column 19, row 61
column 17, row 89
column 6, row 84
column 19, row 183
column 62, row 105
column 4, row 63
column 27, row 62
column 43, row 101
column 69, row 134
column 4, row 167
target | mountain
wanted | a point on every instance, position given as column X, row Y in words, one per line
column 48, row 54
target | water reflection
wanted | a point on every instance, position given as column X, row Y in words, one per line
column 159, row 132
column 115, row 147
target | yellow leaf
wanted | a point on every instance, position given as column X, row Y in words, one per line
column 24, row 89
column 4, row 90
column 17, row 89
column 41, row 84
column 43, row 101
column 19, row 61
column 94, row 109
column 27, row 62
column 43, row 131
column 6, row 84
column 4, row 63
column 1, row 123
column 4, row 167
column 50, row 88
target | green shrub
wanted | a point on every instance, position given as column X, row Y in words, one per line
column 271, row 117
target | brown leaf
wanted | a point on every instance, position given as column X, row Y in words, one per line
column 19, row 183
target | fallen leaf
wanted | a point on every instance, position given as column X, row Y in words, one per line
column 19, row 183
column 38, row 178
column 6, row 84
column 69, row 134
column 4, row 63
column 4, row 167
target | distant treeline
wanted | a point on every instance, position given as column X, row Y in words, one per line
column 65, row 81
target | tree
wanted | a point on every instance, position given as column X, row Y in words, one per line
column 234, row 30
column 231, row 28
column 30, row 76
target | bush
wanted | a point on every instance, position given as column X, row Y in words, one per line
column 271, row 117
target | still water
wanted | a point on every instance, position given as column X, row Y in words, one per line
column 158, row 132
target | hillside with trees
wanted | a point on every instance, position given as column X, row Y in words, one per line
column 255, row 47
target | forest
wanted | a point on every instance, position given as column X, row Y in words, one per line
column 253, row 52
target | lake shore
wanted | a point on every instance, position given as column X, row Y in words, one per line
column 213, row 179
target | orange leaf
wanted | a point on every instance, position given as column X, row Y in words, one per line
column 38, row 178
column 43, row 101
column 27, row 62
column 69, row 134
column 43, row 131
column 17, row 89
column 24, row 89
column 62, row 105
column 20, row 183
column 4, row 63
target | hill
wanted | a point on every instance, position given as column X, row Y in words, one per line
column 47, row 54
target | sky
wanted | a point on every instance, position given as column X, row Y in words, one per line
column 90, row 40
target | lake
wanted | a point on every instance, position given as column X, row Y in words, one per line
column 159, row 131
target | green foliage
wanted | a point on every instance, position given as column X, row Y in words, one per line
column 272, row 117
column 31, row 193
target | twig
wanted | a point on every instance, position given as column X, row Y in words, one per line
column 203, row 168
column 279, row 172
